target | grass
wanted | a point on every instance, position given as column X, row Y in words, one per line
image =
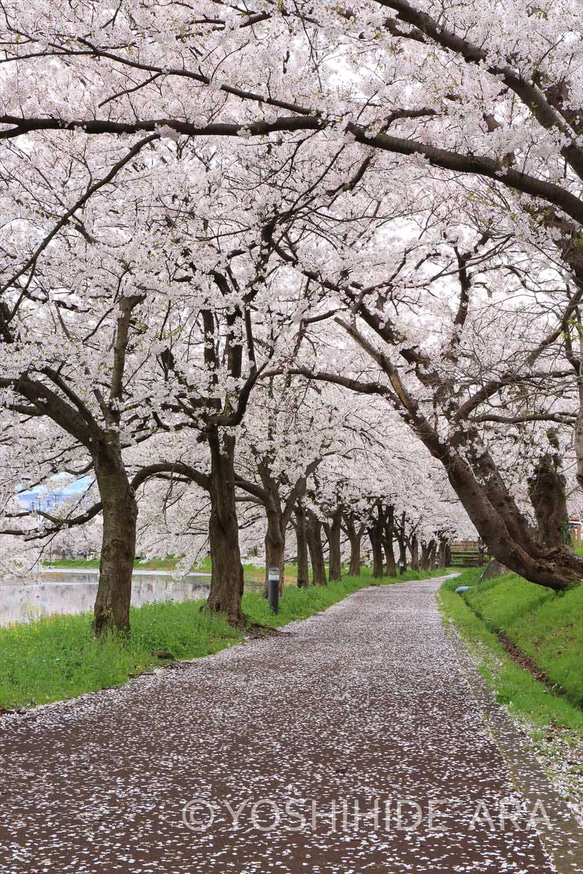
column 534, row 619
column 57, row 657
column 155, row 564
column 546, row 625
column 503, row 601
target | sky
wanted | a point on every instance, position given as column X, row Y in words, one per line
column 55, row 494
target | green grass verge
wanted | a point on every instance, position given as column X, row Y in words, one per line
column 57, row 657
column 499, row 605
column 546, row 625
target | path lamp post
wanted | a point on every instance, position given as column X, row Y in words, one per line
column 273, row 588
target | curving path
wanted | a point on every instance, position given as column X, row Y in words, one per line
column 345, row 714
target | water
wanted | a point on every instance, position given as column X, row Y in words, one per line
column 73, row 591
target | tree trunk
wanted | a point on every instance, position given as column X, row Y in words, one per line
column 375, row 534
column 555, row 568
column 302, row 545
column 578, row 436
column 432, row 555
column 355, row 549
column 390, row 562
column 402, row 550
column 354, row 531
column 414, row 553
column 388, row 539
column 314, row 533
column 334, row 533
column 118, row 548
column 401, row 532
column 547, row 493
column 444, row 554
column 424, row 560
column 274, row 548
column 227, row 583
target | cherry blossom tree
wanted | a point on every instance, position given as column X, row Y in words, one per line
column 398, row 117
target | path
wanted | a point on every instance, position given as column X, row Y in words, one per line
column 364, row 702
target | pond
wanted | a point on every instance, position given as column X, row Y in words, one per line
column 73, row 591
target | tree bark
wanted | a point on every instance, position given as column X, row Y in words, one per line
column 495, row 490
column 118, row 547
column 302, row 548
column 375, row 533
column 424, row 560
column 274, row 547
column 355, row 550
column 279, row 514
column 432, row 555
column 556, row 568
column 444, row 553
column 354, row 531
column 428, row 550
column 388, row 539
column 400, row 531
column 488, row 504
column 334, row 534
column 227, row 583
column 414, row 553
column 314, row 533
column 547, row 494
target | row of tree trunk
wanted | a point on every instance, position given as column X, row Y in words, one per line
column 391, row 540
column 394, row 543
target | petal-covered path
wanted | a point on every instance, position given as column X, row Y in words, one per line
column 350, row 742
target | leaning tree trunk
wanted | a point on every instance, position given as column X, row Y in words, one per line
column 302, row 548
column 227, row 584
column 118, row 547
column 497, row 521
column 314, row 533
column 547, row 494
column 334, row 534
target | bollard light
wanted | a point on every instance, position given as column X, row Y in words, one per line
column 273, row 588
column 402, row 567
